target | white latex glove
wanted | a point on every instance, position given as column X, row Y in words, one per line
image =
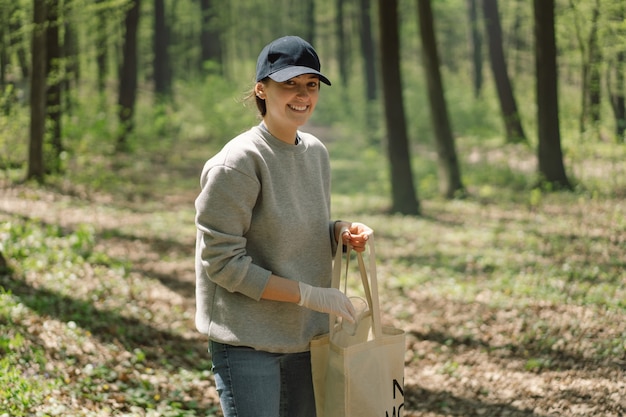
column 327, row 300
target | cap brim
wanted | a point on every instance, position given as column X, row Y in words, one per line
column 290, row 72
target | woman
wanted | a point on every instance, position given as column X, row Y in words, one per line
column 265, row 242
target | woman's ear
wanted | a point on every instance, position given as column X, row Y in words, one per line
column 259, row 90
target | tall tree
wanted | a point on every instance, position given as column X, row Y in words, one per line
column 367, row 49
column 71, row 57
column 15, row 40
column 404, row 197
column 590, row 62
column 128, row 77
column 36, row 168
column 595, row 63
column 309, row 21
column 54, row 62
column 618, row 102
column 101, row 46
column 450, row 184
column 476, row 45
column 616, row 66
column 162, row 69
column 366, row 41
column 550, row 155
column 210, row 37
column 342, row 48
column 508, row 105
column 519, row 42
column 4, row 53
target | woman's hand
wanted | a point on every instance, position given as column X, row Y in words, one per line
column 327, row 300
column 356, row 235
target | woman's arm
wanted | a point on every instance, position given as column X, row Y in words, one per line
column 281, row 289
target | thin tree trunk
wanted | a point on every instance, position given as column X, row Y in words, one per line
column 128, row 78
column 508, row 105
column 309, row 21
column 4, row 55
column 367, row 50
column 450, row 184
column 210, row 38
column 595, row 62
column 404, row 199
column 16, row 42
column 162, row 69
column 590, row 63
column 618, row 101
column 54, row 86
column 550, row 155
column 342, row 50
column 71, row 60
column 476, row 46
column 101, row 47
column 36, row 169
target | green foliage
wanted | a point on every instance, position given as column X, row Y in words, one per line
column 21, row 364
column 46, row 248
column 79, row 294
column 13, row 131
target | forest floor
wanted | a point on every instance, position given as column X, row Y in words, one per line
column 100, row 311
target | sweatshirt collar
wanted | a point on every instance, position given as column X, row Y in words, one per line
column 299, row 147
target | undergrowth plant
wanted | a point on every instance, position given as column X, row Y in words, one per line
column 23, row 377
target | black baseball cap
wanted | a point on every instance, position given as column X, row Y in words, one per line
column 288, row 57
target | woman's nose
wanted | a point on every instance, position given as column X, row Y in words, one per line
column 303, row 91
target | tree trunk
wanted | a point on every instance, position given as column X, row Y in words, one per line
column 595, row 62
column 309, row 21
column 36, row 169
column 449, row 173
column 618, row 102
column 101, row 47
column 590, row 62
column 71, row 58
column 210, row 38
column 550, row 155
column 4, row 55
column 476, row 45
column 508, row 105
column 617, row 98
column 517, row 44
column 54, row 87
column 367, row 50
column 128, row 77
column 404, row 198
column 342, row 50
column 162, row 70
column 16, row 42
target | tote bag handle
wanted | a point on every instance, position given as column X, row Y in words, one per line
column 370, row 285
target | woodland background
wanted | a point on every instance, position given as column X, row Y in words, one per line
column 484, row 141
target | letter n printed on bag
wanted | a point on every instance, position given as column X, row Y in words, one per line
column 398, row 391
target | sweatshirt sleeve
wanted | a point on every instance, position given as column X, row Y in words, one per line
column 223, row 215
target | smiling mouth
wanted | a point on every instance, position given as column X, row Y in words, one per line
column 298, row 108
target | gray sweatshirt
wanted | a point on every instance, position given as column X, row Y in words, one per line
column 264, row 208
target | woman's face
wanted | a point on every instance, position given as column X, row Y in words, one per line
column 289, row 104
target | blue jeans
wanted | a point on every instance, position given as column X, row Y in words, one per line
column 252, row 383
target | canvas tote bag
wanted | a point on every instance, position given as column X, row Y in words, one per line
column 358, row 370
